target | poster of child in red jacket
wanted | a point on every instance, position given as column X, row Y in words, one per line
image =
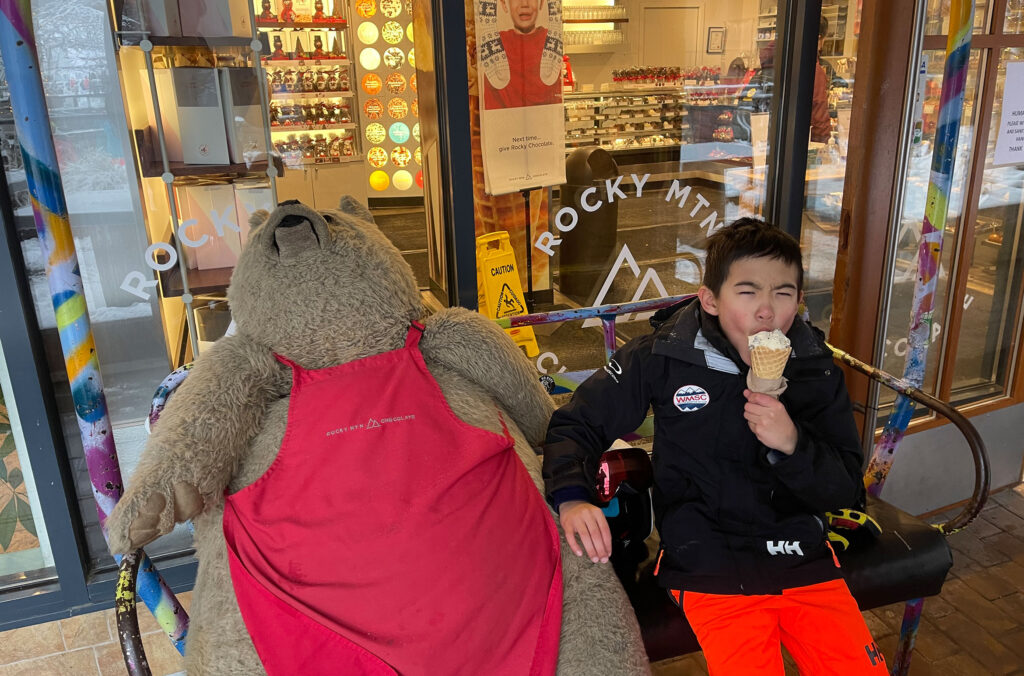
column 519, row 70
column 522, row 65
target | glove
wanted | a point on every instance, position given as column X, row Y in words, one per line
column 849, row 527
column 838, row 542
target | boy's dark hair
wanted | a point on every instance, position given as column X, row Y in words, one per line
column 749, row 238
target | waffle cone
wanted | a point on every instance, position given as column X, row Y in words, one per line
column 768, row 363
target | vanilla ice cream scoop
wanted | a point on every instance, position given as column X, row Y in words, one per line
column 771, row 340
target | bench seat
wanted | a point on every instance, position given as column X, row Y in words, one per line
column 909, row 560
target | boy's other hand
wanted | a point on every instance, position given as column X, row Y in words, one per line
column 580, row 518
column 770, row 422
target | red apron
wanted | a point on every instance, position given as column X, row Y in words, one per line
column 389, row 536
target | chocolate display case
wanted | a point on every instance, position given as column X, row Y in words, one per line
column 309, row 77
column 388, row 99
column 627, row 119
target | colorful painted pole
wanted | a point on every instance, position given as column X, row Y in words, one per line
column 18, row 48
column 958, row 49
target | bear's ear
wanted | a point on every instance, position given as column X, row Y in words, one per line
column 353, row 207
column 257, row 218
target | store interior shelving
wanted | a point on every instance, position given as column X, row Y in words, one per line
column 654, row 117
column 198, row 117
column 593, row 29
column 310, row 79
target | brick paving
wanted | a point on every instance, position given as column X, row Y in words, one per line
column 976, row 626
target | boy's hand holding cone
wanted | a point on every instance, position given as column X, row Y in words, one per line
column 769, row 352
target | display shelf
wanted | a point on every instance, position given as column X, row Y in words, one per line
column 609, row 108
column 595, row 20
column 655, row 116
column 639, row 132
column 340, row 24
column 152, row 166
column 640, row 91
column 640, row 104
column 591, row 49
column 312, row 95
column 335, row 61
column 312, row 163
column 312, row 127
column 194, row 41
column 213, row 280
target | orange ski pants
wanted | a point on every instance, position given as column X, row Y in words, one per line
column 820, row 625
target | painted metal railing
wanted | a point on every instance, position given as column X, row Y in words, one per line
column 49, row 207
column 951, row 104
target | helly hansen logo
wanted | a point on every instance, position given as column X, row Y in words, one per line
column 784, row 547
column 613, row 369
column 874, row 654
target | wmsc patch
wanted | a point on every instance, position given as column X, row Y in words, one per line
column 690, row 398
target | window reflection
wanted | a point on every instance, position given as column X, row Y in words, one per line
column 909, row 234
column 835, row 75
column 986, row 339
column 682, row 115
column 83, row 95
column 1014, row 21
column 937, row 16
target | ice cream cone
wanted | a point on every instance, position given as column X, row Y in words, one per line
column 769, row 352
column 769, row 363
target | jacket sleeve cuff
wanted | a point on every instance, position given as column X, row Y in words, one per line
column 779, row 460
column 568, row 494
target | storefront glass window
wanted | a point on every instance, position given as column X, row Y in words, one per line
column 909, row 234
column 25, row 555
column 990, row 324
column 664, row 115
column 1014, row 21
column 835, row 75
column 937, row 16
column 95, row 160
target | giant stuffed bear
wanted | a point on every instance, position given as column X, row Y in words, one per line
column 339, row 517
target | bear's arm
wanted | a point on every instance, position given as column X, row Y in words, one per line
column 472, row 345
column 198, row 440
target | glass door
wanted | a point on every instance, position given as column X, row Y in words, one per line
column 667, row 114
column 976, row 337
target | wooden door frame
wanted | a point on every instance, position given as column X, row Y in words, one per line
column 886, row 61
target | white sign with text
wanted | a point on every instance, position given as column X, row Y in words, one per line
column 1010, row 142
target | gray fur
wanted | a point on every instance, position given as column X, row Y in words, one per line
column 329, row 291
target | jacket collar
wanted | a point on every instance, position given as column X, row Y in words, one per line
column 684, row 331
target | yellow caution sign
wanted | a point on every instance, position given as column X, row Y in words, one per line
column 499, row 292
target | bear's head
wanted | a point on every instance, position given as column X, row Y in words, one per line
column 322, row 288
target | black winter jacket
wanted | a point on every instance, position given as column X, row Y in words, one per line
column 735, row 517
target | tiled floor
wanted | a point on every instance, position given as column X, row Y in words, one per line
column 85, row 645
column 976, row 626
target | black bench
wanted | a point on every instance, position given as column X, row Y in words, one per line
column 908, row 562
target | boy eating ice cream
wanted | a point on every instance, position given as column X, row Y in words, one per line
column 745, row 464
